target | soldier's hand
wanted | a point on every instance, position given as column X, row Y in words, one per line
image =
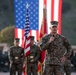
column 24, row 62
column 63, row 59
column 10, row 62
column 51, row 39
column 32, row 61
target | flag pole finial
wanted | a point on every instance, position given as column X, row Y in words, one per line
column 27, row 5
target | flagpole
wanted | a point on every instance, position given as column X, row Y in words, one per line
column 25, row 62
column 25, row 73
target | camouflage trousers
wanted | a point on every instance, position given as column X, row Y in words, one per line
column 53, row 70
column 32, row 68
column 67, row 67
column 16, row 68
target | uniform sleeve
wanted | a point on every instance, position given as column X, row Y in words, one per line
column 44, row 44
column 10, row 54
column 22, row 54
column 37, row 55
column 68, row 47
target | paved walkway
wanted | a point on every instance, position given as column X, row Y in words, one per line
column 8, row 73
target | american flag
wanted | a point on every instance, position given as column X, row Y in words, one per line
column 27, row 32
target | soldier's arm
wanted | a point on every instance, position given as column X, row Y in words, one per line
column 22, row 54
column 44, row 44
column 68, row 47
column 38, row 54
column 10, row 54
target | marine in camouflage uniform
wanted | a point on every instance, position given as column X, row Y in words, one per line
column 33, row 57
column 54, row 43
column 16, row 56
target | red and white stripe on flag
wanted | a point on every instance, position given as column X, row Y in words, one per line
column 54, row 12
column 19, row 33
